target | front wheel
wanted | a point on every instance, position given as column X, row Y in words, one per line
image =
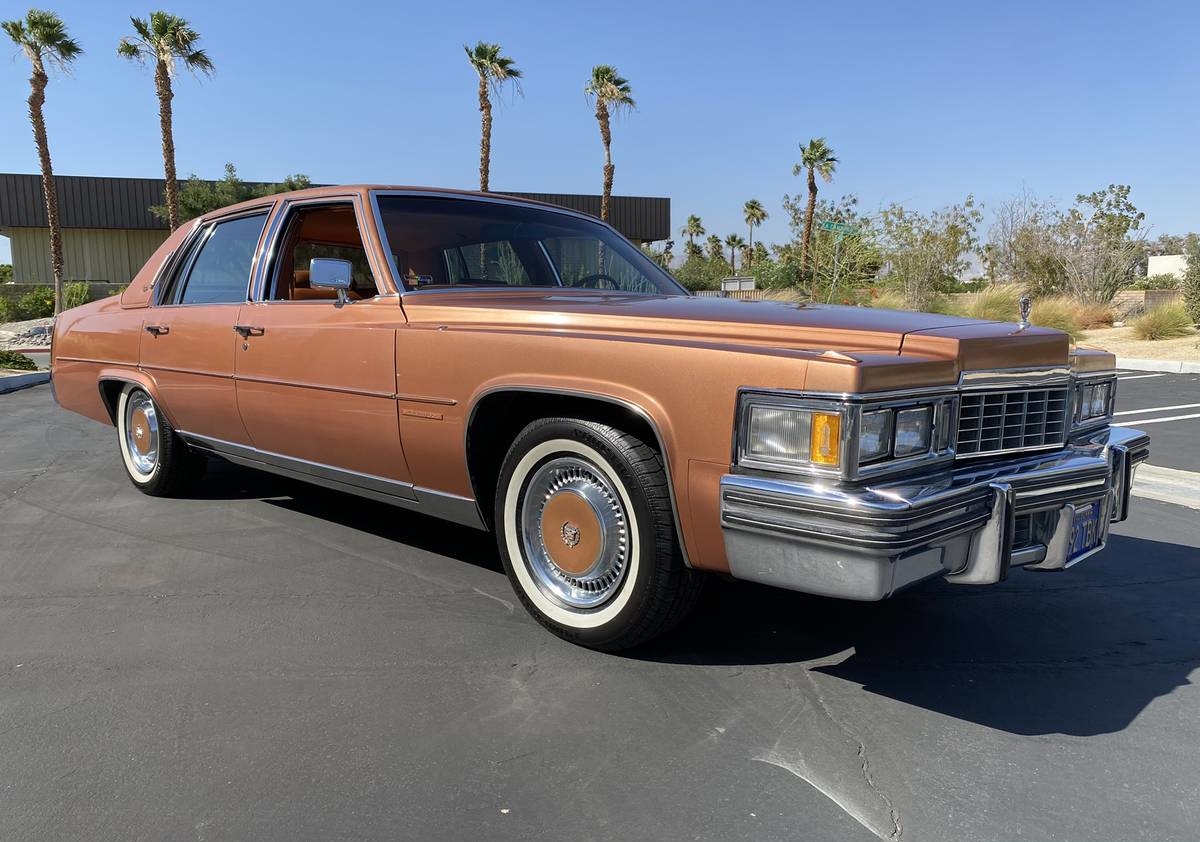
column 156, row 459
column 587, row 535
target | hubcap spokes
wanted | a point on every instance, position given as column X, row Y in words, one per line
column 141, row 433
column 574, row 532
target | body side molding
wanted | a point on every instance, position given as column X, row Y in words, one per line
column 451, row 507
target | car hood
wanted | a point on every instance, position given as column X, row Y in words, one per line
column 971, row 343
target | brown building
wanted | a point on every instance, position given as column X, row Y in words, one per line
column 109, row 232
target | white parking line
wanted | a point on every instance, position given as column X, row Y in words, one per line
column 1138, row 376
column 1158, row 409
column 1169, row 485
column 1143, row 421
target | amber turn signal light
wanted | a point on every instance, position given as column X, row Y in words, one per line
column 825, row 446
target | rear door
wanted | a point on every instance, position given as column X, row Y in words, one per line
column 316, row 377
column 188, row 341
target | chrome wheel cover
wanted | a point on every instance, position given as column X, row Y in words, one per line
column 141, row 433
column 574, row 532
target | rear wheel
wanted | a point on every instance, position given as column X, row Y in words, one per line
column 156, row 458
column 587, row 535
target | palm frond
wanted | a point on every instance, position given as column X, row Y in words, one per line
column 610, row 87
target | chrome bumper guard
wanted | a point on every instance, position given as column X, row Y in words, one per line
column 969, row 524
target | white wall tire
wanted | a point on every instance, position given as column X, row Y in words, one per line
column 156, row 460
column 628, row 584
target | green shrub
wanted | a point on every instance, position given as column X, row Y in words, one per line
column 1058, row 312
column 995, row 304
column 38, row 303
column 1162, row 281
column 1168, row 321
column 20, row 362
column 75, row 294
column 8, row 311
column 1191, row 278
column 888, row 300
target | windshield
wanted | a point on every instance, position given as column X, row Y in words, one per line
column 442, row 242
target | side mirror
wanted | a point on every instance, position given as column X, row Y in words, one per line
column 331, row 273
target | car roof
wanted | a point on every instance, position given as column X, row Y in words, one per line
column 336, row 190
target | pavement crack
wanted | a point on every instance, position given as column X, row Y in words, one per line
column 863, row 758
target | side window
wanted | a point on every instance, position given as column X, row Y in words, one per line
column 490, row 263
column 320, row 231
column 587, row 262
column 220, row 272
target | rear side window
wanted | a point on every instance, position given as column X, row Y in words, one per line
column 219, row 273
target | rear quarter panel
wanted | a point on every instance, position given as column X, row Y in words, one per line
column 102, row 338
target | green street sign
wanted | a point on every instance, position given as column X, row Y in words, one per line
column 837, row 227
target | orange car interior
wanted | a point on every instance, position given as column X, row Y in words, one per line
column 334, row 227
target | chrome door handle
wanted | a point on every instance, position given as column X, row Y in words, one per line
column 157, row 330
column 249, row 330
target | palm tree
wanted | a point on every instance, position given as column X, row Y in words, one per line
column 754, row 214
column 693, row 229
column 42, row 36
column 818, row 159
column 494, row 70
column 166, row 40
column 716, row 249
column 734, row 242
column 612, row 95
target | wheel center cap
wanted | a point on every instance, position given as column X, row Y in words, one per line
column 571, row 533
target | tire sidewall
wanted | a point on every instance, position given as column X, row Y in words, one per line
column 137, row 477
column 614, row 616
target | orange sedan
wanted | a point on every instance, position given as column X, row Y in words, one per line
column 518, row 367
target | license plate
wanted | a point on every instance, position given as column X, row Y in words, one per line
column 1085, row 531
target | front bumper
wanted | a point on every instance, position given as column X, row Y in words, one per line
column 969, row 524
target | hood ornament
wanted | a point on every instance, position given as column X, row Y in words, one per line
column 1024, row 307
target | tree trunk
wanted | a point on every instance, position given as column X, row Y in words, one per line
column 162, row 84
column 485, row 137
column 37, row 98
column 606, row 139
column 732, row 260
column 808, row 221
column 750, row 253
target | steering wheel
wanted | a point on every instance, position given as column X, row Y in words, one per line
column 597, row 280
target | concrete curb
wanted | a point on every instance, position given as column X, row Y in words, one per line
column 1168, row 366
column 10, row 383
column 1168, row 485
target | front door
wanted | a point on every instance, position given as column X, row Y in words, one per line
column 187, row 340
column 316, row 376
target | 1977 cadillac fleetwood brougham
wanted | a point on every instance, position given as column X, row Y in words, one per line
column 518, row 367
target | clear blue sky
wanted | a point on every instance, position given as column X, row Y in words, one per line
column 923, row 103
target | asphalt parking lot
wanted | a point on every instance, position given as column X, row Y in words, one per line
column 272, row 661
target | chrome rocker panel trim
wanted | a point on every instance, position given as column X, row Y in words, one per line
column 437, row 504
column 866, row 543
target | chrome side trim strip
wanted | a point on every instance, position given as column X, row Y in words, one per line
column 439, row 504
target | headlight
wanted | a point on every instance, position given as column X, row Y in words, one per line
column 1093, row 401
column 783, row 437
column 914, row 431
column 852, row 440
column 875, row 436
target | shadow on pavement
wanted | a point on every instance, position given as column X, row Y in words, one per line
column 1081, row 653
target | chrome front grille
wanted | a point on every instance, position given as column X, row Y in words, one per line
column 999, row 422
